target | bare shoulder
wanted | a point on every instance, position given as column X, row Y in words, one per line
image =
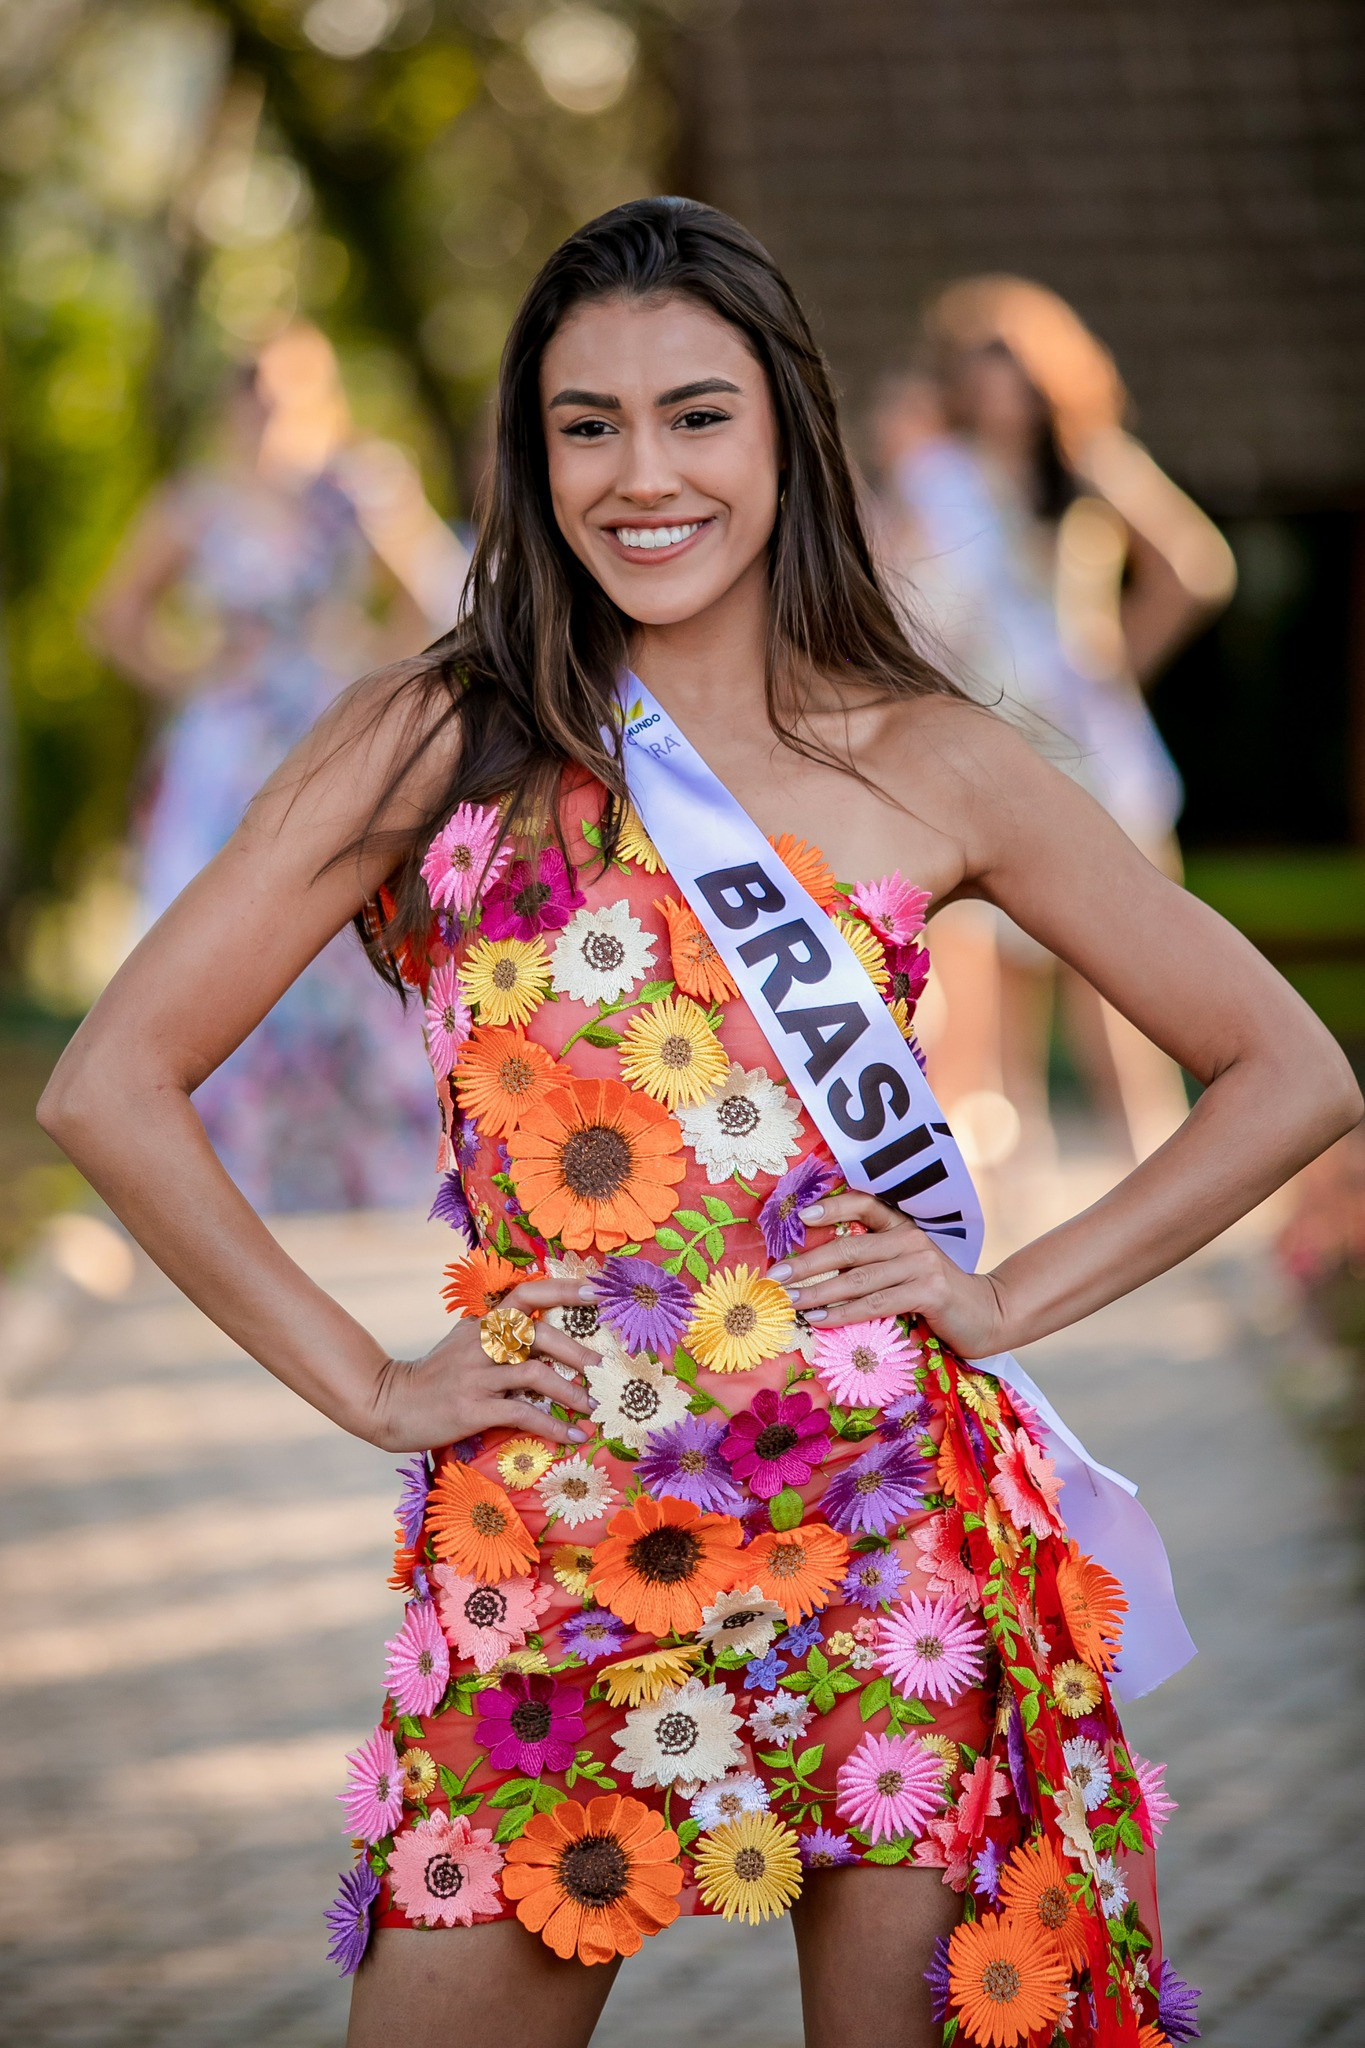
column 961, row 768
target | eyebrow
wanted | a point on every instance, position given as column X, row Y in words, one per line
column 602, row 401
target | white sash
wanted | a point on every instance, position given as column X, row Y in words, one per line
column 862, row 1088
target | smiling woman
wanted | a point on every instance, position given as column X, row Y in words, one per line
column 731, row 1585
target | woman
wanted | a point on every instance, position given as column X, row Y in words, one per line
column 1063, row 570
column 273, row 554
column 722, row 1563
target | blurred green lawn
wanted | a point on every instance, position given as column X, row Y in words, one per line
column 1305, row 909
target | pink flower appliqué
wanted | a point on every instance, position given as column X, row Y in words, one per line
column 943, row 1556
column 865, row 1365
column 444, row 1873
column 485, row 1622
column 892, row 907
column 447, row 1020
column 929, row 1649
column 418, row 1668
column 1157, row 1802
column 1026, row 1486
column 776, row 1442
column 373, row 1799
column 525, row 903
column 889, row 1786
column 460, row 859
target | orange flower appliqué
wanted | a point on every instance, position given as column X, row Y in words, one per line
column 797, row 1567
column 474, row 1526
column 662, row 1561
column 478, row 1283
column 594, row 1880
column 810, row 868
column 596, row 1164
column 1034, row 1885
column 697, row 967
column 1006, row 1980
column 500, row 1074
column 1093, row 1603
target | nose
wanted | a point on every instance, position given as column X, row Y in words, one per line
column 648, row 475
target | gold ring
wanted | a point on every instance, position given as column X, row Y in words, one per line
column 507, row 1335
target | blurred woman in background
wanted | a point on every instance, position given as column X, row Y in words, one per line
column 276, row 560
column 1061, row 570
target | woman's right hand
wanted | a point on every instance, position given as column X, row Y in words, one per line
column 457, row 1389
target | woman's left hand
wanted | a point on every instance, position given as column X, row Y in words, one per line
column 892, row 1269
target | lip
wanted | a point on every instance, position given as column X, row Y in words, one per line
column 643, row 556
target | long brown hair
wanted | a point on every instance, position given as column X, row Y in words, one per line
column 529, row 672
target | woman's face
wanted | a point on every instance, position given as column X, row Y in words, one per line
column 1001, row 405
column 663, row 453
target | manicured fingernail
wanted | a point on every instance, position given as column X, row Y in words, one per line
column 578, row 1436
column 780, row 1272
column 588, row 1293
column 593, row 1403
column 793, row 1294
column 813, row 1214
column 816, row 1315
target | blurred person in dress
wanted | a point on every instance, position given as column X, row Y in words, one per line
column 1057, row 569
column 299, row 557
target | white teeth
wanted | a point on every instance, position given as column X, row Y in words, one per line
column 656, row 536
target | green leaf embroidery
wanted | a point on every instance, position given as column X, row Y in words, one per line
column 411, row 1728
column 718, row 1211
column 714, row 1241
column 669, row 1240
column 876, row 1697
column 512, row 1823
column 600, row 1035
column 1028, row 1709
column 785, row 1509
column 695, row 1264
column 655, row 991
column 685, row 1368
column 700, row 1402
column 822, row 1696
column 688, row 1831
column 689, row 1219
column 808, row 1763
column 514, row 1792
column 468, row 1802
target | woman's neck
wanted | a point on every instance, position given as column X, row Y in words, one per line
column 713, row 664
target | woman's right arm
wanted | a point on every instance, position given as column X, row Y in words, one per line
column 118, row 1102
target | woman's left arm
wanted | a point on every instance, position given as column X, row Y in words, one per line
column 1277, row 1089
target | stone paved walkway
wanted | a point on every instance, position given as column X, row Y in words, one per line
column 192, row 1573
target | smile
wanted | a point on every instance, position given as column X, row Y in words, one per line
column 655, row 539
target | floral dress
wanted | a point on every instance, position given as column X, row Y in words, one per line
column 803, row 1598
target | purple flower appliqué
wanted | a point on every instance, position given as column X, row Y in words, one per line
column 936, row 1977
column 1177, row 2005
column 452, row 1207
column 987, row 1869
column 776, row 1442
column 684, row 1460
column 810, row 1180
column 593, row 1634
column 874, row 1578
column 762, row 1674
column 414, row 1481
column 797, row 1641
column 348, row 1918
column 647, row 1308
column 530, row 1723
column 877, row 1490
column 908, row 1417
column 1017, row 1756
column 525, row 903
column 822, row 1849
column 465, row 1140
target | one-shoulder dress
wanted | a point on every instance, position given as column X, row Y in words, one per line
column 804, row 1599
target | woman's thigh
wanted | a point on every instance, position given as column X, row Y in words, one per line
column 865, row 1937
column 494, row 1986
